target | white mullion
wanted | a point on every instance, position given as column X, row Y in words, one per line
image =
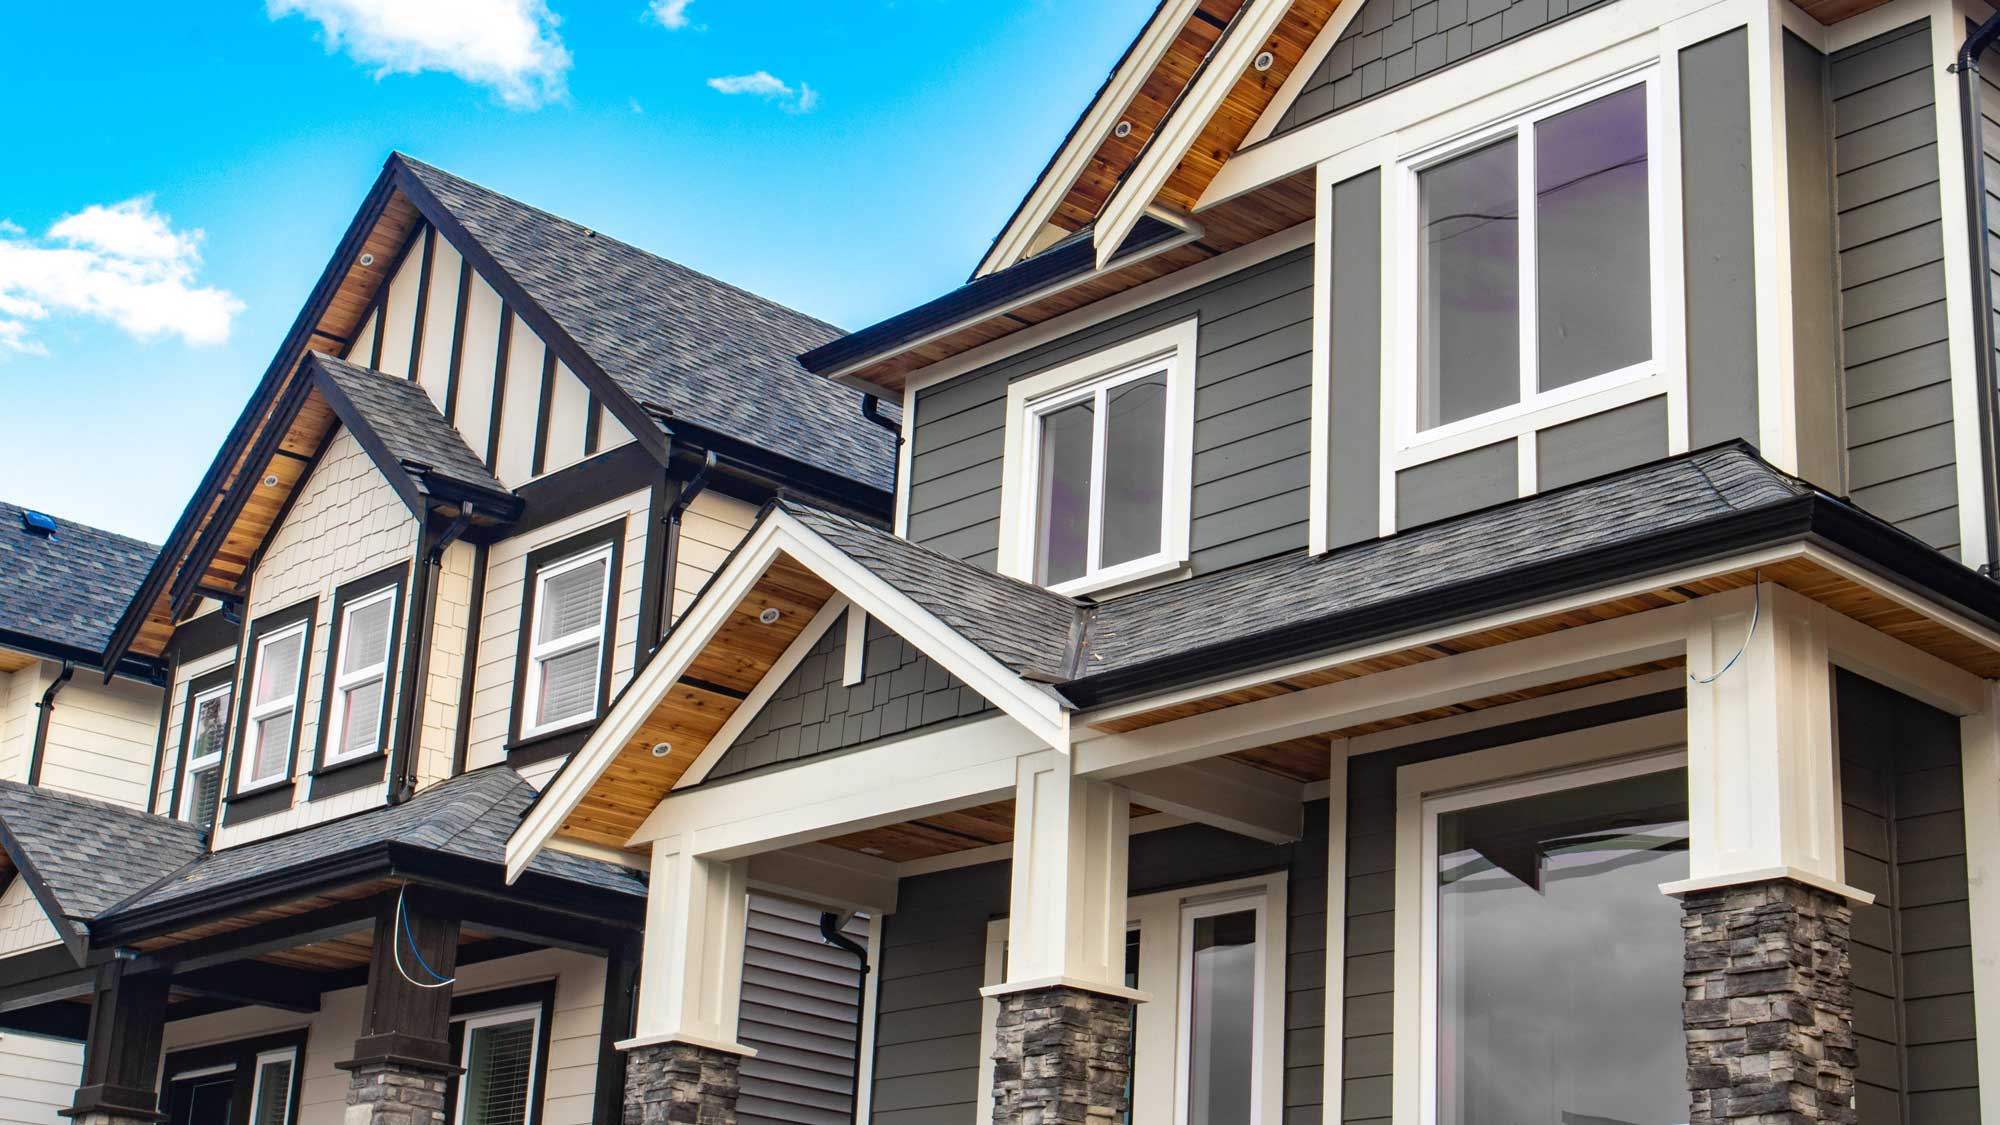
column 1100, row 431
column 1525, row 227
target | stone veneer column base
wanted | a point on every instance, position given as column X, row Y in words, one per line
column 681, row 1084
column 1062, row 1055
column 1769, row 1012
column 387, row 1092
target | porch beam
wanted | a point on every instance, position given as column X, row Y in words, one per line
column 1227, row 795
column 829, row 876
column 259, row 983
column 691, row 974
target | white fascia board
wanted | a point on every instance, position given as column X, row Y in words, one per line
column 1184, row 125
column 828, row 876
column 1229, row 795
column 1097, row 123
column 788, row 662
column 1295, row 82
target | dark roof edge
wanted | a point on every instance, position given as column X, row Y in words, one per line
column 72, row 935
column 788, row 475
column 136, row 667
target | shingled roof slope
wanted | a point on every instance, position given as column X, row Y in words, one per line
column 92, row 854
column 675, row 339
column 66, row 590
column 401, row 413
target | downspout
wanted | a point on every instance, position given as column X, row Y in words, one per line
column 690, row 489
column 871, row 409
column 417, row 654
column 1969, row 119
column 829, row 929
column 47, row 707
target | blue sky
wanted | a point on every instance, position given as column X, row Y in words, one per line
column 179, row 174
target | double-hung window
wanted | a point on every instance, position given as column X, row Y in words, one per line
column 207, row 722
column 565, row 648
column 1537, row 251
column 497, row 1085
column 359, row 691
column 271, row 723
column 1099, row 455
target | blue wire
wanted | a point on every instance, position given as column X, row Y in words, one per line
column 1756, row 610
column 403, row 918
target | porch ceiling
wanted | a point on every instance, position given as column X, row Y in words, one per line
column 962, row 830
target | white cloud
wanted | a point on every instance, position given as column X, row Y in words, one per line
column 671, row 14
column 509, row 45
column 124, row 263
column 766, row 85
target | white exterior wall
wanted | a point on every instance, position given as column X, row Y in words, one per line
column 38, row 1078
column 711, row 528
column 19, row 692
column 102, row 738
column 347, row 523
column 449, row 617
column 23, row 923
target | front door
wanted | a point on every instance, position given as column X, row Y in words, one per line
column 201, row 1100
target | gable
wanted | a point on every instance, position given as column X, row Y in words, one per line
column 24, row 925
column 811, row 711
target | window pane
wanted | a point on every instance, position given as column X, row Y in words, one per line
column 361, row 720
column 211, row 719
column 1221, row 1014
column 569, row 686
column 278, row 671
column 366, row 638
column 572, row 601
column 498, row 1066
column 1063, row 496
column 1135, row 447
column 1559, row 960
column 272, row 736
column 1470, row 274
column 1593, row 259
column 206, row 791
column 274, row 1093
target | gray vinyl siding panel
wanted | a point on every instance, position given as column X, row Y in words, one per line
column 1602, row 443
column 1904, row 828
column 1252, row 431
column 1900, row 449
column 1392, row 42
column 811, row 712
column 1719, row 250
column 801, row 1009
column 1354, row 428
column 934, row 956
column 1463, row 482
column 1815, row 271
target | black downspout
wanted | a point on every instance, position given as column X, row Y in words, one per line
column 1969, row 118
column 829, row 929
column 417, row 654
column 871, row 409
column 47, row 706
column 690, row 489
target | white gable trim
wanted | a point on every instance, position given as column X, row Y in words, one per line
column 1295, row 82
column 788, row 662
column 779, row 533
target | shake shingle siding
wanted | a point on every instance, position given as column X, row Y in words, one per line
column 1253, row 380
column 1900, row 446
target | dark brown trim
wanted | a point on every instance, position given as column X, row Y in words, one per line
column 267, row 798
column 205, row 635
column 242, row 1055
column 499, row 386
column 616, row 1023
column 457, row 340
column 656, row 585
column 381, row 315
column 121, row 1054
column 556, row 744
column 468, row 674
column 209, row 681
column 159, row 739
column 44, row 709
column 612, row 533
column 400, row 1020
column 591, row 425
column 391, row 577
column 583, row 486
column 540, row 464
column 423, row 302
column 346, row 777
column 410, row 689
column 540, row 994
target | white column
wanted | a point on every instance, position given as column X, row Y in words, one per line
column 1979, row 742
column 691, row 980
column 1067, row 922
column 1763, row 790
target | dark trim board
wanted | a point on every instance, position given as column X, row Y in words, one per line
column 210, row 633
column 548, row 394
column 457, row 340
column 583, row 486
column 392, row 577
column 423, row 303
column 159, row 741
column 475, row 610
column 497, row 409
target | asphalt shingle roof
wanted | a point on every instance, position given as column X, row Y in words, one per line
column 469, row 816
column 402, row 414
column 698, row 348
column 93, row 854
column 69, row 589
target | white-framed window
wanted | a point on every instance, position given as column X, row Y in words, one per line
column 566, row 645
column 1534, row 265
column 207, row 737
column 276, row 675
column 360, row 677
column 271, row 1087
column 1551, row 962
column 497, row 1085
column 1208, row 1047
column 1099, row 463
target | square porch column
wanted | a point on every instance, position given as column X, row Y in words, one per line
column 402, row 1065
column 121, row 1054
column 1064, row 1048
column 682, row 1062
column 1769, row 1010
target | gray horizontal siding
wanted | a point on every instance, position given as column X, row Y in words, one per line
column 1900, row 446
column 801, row 1009
column 1601, row 443
column 934, row 957
column 901, row 690
column 1252, row 433
column 1391, row 42
column 1454, row 485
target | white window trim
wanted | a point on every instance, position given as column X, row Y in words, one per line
column 530, row 1012
column 247, row 753
column 1636, row 746
column 282, row 1054
column 1037, row 394
column 214, row 758
column 539, row 651
column 343, row 684
column 1164, row 921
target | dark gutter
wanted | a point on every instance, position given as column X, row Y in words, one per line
column 829, row 931
column 1972, row 137
column 47, row 707
column 138, row 667
column 670, row 556
column 417, row 653
column 774, row 473
column 871, row 409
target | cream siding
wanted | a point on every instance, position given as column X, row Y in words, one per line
column 500, row 617
column 399, row 312
column 477, row 357
column 19, row 692
column 438, row 739
column 440, row 316
column 347, row 523
column 569, row 417
column 101, row 739
column 364, row 342
column 184, row 675
column 24, row 925
column 522, row 406
column 38, row 1078
column 711, row 528
column 611, row 433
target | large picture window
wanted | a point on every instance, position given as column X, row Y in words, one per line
column 277, row 674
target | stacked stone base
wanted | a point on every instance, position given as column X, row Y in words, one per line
column 1062, row 1055
column 396, row 1093
column 1769, row 1010
column 681, row 1084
